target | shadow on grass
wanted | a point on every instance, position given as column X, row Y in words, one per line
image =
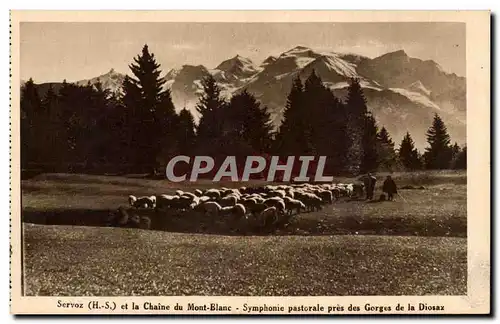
column 199, row 224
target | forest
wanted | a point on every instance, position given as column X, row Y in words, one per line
column 88, row 129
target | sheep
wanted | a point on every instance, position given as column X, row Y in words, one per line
column 164, row 201
column 248, row 201
column 142, row 202
column 277, row 193
column 350, row 190
column 290, row 193
column 226, row 210
column 256, row 208
column 267, row 217
column 312, row 201
column 228, row 201
column 276, row 202
column 189, row 194
column 204, row 199
column 325, row 195
column 335, row 193
column 294, row 204
column 211, row 207
column 213, row 193
column 358, row 189
column 228, row 192
column 119, row 217
column 181, row 203
column 239, row 210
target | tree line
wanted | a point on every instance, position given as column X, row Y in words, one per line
column 90, row 129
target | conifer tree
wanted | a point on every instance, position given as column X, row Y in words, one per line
column 30, row 110
column 293, row 137
column 408, row 154
column 386, row 151
column 370, row 158
column 455, row 151
column 356, row 121
column 52, row 124
column 438, row 154
column 186, row 132
column 460, row 161
column 247, row 122
column 326, row 119
column 151, row 115
column 211, row 107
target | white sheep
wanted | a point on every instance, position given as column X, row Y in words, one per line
column 276, row 202
column 325, row 195
column 268, row 216
column 203, row 199
column 142, row 202
column 211, row 208
column 294, row 204
column 228, row 201
column 189, row 194
column 239, row 210
column 213, row 193
column 277, row 193
column 164, row 201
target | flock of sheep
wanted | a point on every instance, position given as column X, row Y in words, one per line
column 265, row 207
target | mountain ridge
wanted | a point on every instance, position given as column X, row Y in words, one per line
column 402, row 92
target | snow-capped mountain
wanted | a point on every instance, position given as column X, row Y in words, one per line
column 111, row 80
column 402, row 92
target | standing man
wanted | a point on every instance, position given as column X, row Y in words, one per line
column 390, row 188
column 369, row 181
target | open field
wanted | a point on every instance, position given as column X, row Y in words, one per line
column 416, row 245
column 67, row 260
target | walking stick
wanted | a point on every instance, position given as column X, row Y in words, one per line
column 402, row 198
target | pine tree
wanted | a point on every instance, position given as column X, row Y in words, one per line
column 30, row 118
column 247, row 122
column 186, row 132
column 460, row 161
column 326, row 121
column 356, row 120
column 370, row 158
column 293, row 137
column 438, row 154
column 151, row 114
column 317, row 117
column 408, row 154
column 211, row 107
column 52, row 125
column 455, row 151
column 386, row 152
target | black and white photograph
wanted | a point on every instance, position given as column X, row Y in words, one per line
column 250, row 159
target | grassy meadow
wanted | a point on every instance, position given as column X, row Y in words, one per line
column 414, row 246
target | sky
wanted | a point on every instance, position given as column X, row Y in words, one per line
column 51, row 52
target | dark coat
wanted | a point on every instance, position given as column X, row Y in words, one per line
column 368, row 181
column 389, row 186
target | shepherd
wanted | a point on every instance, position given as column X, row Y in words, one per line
column 369, row 181
column 390, row 188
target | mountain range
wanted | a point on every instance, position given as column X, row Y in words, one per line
column 403, row 92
